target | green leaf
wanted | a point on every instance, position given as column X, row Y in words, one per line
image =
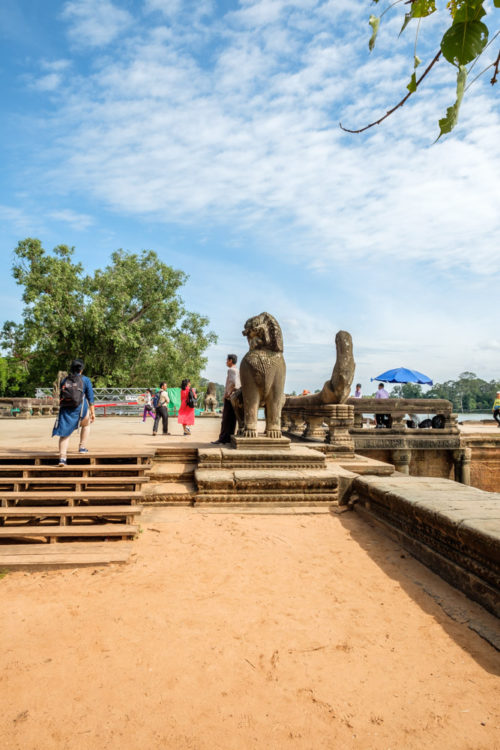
column 422, row 8
column 374, row 22
column 419, row 9
column 469, row 10
column 412, row 86
column 416, row 61
column 463, row 42
column 408, row 17
column 446, row 124
column 496, row 3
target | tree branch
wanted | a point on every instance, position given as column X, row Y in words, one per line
column 495, row 74
column 400, row 104
column 138, row 315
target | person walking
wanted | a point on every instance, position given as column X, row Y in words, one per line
column 76, row 409
column 496, row 408
column 185, row 416
column 228, row 424
column 162, row 400
column 148, row 405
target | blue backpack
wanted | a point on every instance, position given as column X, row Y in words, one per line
column 156, row 399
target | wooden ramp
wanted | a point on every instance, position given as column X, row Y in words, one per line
column 79, row 514
column 70, row 555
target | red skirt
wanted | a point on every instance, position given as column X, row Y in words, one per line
column 186, row 413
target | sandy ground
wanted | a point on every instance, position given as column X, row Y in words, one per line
column 237, row 631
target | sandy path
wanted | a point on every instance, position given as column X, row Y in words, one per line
column 239, row 631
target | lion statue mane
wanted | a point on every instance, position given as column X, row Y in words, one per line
column 262, row 373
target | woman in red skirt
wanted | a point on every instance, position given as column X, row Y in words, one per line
column 186, row 413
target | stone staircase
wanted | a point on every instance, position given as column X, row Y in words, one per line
column 171, row 476
column 92, row 498
column 280, row 475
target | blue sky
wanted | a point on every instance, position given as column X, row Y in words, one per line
column 208, row 132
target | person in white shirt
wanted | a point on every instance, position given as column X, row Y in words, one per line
column 228, row 424
column 357, row 392
column 382, row 420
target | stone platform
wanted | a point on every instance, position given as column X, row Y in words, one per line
column 451, row 528
column 264, row 475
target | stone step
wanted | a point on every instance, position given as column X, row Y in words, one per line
column 283, row 487
column 291, row 458
column 256, row 480
column 171, row 471
column 266, row 501
column 176, row 454
column 169, row 493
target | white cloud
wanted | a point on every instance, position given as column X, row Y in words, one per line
column 76, row 220
column 232, row 122
column 95, row 23
column 156, row 133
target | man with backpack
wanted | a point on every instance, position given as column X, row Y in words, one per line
column 160, row 404
column 76, row 409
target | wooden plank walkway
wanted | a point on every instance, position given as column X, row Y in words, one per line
column 75, row 530
column 63, row 555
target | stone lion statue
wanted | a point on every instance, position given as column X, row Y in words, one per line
column 56, row 385
column 262, row 373
column 210, row 401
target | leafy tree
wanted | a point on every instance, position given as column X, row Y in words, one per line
column 462, row 44
column 407, row 390
column 468, row 393
column 127, row 321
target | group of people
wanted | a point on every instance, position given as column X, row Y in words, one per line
column 157, row 407
column 77, row 410
column 77, row 407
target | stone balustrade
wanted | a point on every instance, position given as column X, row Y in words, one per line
column 399, row 408
column 25, row 408
column 323, row 423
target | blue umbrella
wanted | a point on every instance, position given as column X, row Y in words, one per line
column 403, row 375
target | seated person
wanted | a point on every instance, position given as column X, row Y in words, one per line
column 382, row 420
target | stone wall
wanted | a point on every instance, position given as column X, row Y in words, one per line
column 485, row 461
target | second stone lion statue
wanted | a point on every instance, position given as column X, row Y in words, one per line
column 262, row 373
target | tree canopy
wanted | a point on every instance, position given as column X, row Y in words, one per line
column 466, row 38
column 127, row 321
column 468, row 393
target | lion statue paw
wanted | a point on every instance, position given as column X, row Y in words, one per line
column 275, row 434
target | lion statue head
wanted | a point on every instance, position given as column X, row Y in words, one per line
column 263, row 332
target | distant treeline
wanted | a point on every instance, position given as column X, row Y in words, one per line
column 468, row 393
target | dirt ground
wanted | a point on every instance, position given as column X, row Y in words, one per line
column 238, row 631
column 234, row 631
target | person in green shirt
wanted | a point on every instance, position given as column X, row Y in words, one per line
column 496, row 408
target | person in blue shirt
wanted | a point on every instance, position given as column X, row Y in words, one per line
column 72, row 417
